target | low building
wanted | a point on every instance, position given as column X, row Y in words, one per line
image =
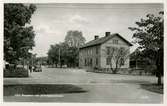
column 93, row 54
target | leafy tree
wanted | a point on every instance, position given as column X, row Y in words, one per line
column 18, row 34
column 63, row 53
column 57, row 54
column 74, row 38
column 66, row 53
column 139, row 60
column 41, row 60
column 116, row 58
column 53, row 54
column 149, row 34
column 72, row 57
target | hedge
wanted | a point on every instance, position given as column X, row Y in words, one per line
column 18, row 72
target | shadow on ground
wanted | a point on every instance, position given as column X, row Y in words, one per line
column 40, row 89
column 153, row 88
column 130, row 81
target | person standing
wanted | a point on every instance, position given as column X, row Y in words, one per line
column 30, row 68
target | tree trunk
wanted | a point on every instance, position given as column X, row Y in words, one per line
column 15, row 65
column 159, row 80
column 159, row 64
column 23, row 63
column 114, row 71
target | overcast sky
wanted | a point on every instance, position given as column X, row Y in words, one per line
column 52, row 21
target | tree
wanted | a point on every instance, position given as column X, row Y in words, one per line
column 116, row 57
column 66, row 53
column 63, row 50
column 149, row 34
column 53, row 54
column 18, row 34
column 140, row 61
column 72, row 57
column 74, row 38
column 57, row 54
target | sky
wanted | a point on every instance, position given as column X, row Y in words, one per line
column 52, row 21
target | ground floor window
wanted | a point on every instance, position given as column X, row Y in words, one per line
column 108, row 61
column 90, row 62
column 96, row 61
column 85, row 62
column 122, row 61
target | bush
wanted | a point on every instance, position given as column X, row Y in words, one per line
column 150, row 69
column 95, row 68
column 18, row 72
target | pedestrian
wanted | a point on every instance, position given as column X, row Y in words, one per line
column 30, row 68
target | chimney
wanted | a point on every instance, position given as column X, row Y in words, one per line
column 96, row 37
column 107, row 34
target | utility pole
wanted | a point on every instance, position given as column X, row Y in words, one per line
column 59, row 57
column 136, row 59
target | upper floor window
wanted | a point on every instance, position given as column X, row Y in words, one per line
column 91, row 52
column 122, row 50
column 108, row 50
column 111, row 50
column 115, row 41
column 96, row 50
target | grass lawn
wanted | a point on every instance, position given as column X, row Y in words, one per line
column 153, row 88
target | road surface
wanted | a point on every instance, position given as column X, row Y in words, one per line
column 99, row 87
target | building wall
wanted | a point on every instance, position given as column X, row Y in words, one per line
column 110, row 43
column 88, row 54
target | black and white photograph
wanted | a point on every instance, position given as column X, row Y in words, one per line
column 83, row 53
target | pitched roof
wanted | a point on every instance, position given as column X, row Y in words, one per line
column 102, row 40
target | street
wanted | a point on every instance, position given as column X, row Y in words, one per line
column 99, row 87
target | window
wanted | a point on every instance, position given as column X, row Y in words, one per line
column 108, row 61
column 122, row 61
column 96, row 61
column 96, row 50
column 108, row 50
column 85, row 62
column 91, row 62
column 91, row 52
column 115, row 41
column 113, row 50
column 122, row 50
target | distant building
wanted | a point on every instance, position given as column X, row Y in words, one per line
column 92, row 54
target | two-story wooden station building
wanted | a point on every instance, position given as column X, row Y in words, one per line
column 92, row 54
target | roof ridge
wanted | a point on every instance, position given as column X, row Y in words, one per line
column 102, row 40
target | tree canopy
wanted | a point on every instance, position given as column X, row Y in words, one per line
column 149, row 34
column 18, row 34
column 67, row 52
column 74, row 38
column 116, row 57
